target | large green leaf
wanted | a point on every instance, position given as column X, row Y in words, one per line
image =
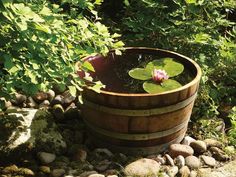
column 172, row 67
column 140, row 74
column 152, row 87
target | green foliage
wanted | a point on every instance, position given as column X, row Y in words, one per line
column 171, row 67
column 200, row 30
column 232, row 131
column 40, row 43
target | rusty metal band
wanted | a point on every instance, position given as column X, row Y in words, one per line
column 137, row 150
column 140, row 112
column 139, row 136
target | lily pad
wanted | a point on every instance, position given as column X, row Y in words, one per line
column 167, row 85
column 172, row 67
column 140, row 74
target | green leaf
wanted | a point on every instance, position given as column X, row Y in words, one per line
column 190, row 1
column 72, row 90
column 172, row 67
column 167, row 85
column 88, row 66
column 140, row 74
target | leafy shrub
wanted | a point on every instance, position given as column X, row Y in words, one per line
column 198, row 29
column 40, row 43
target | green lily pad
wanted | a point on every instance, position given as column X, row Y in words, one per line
column 172, row 67
column 167, row 85
column 140, row 74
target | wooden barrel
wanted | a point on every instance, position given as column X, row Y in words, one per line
column 140, row 123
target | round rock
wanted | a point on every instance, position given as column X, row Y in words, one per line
column 46, row 158
column 58, row 172
column 187, row 140
column 179, row 161
column 199, row 146
column 172, row 171
column 96, row 175
column 210, row 161
column 213, row 143
column 142, row 167
column 184, row 171
column 192, row 162
column 169, row 160
column 180, row 149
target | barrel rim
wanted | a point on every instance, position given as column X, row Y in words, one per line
column 193, row 82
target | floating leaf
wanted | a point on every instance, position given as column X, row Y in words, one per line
column 152, row 87
column 172, row 67
column 140, row 74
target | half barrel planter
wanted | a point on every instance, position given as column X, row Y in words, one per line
column 143, row 123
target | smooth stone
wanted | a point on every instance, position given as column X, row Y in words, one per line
column 31, row 103
column 187, row 140
column 51, row 94
column 58, row 111
column 103, row 151
column 87, row 173
column 112, row 176
column 160, row 159
column 172, row 171
column 96, row 175
column 103, row 165
column 228, row 170
column 59, row 99
column 184, row 171
column 44, row 104
column 10, row 169
column 72, row 112
column 6, row 104
column 210, row 161
column 40, row 96
column 68, row 98
column 199, row 146
column 192, row 162
column 19, row 99
column 142, row 167
column 179, row 161
column 26, row 172
column 218, row 154
column 58, row 172
column 193, row 174
column 111, row 172
column 45, row 169
column 169, row 160
column 213, row 143
column 46, row 157
column 180, row 149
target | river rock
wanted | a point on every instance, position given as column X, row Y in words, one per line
column 40, row 97
column 51, row 94
column 80, row 155
column 192, row 162
column 58, row 172
column 172, row 171
column 68, row 98
column 228, row 170
column 160, row 159
column 213, row 143
column 26, row 172
column 87, row 173
column 10, row 169
column 187, row 140
column 218, row 154
column 199, row 146
column 45, row 169
column 142, row 167
column 6, row 104
column 19, row 99
column 193, row 174
column 184, row 171
column 210, row 161
column 180, row 149
column 31, row 103
column 103, row 152
column 179, row 161
column 46, row 158
column 58, row 112
column 44, row 104
column 59, row 99
column 103, row 165
column 169, row 160
column 96, row 175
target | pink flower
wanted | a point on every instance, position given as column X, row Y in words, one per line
column 159, row 75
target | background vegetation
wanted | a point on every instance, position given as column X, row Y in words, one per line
column 41, row 41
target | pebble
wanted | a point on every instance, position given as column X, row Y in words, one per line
column 45, row 169
column 26, row 172
column 58, row 111
column 184, row 171
column 19, row 99
column 187, row 140
column 179, row 161
column 172, row 171
column 103, row 151
column 110, row 172
column 210, row 161
column 80, row 155
column 142, row 167
column 87, row 173
column 199, row 146
column 31, row 103
column 193, row 174
column 40, row 96
column 59, row 99
column 103, row 165
column 169, row 160
column 213, row 143
column 58, row 172
column 218, row 154
column 10, row 169
column 51, row 94
column 6, row 103
column 46, row 158
column 44, row 104
column 112, row 176
column 68, row 98
column 96, row 175
column 192, row 162
column 160, row 159
column 180, row 149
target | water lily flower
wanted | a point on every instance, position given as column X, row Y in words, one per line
column 159, row 75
